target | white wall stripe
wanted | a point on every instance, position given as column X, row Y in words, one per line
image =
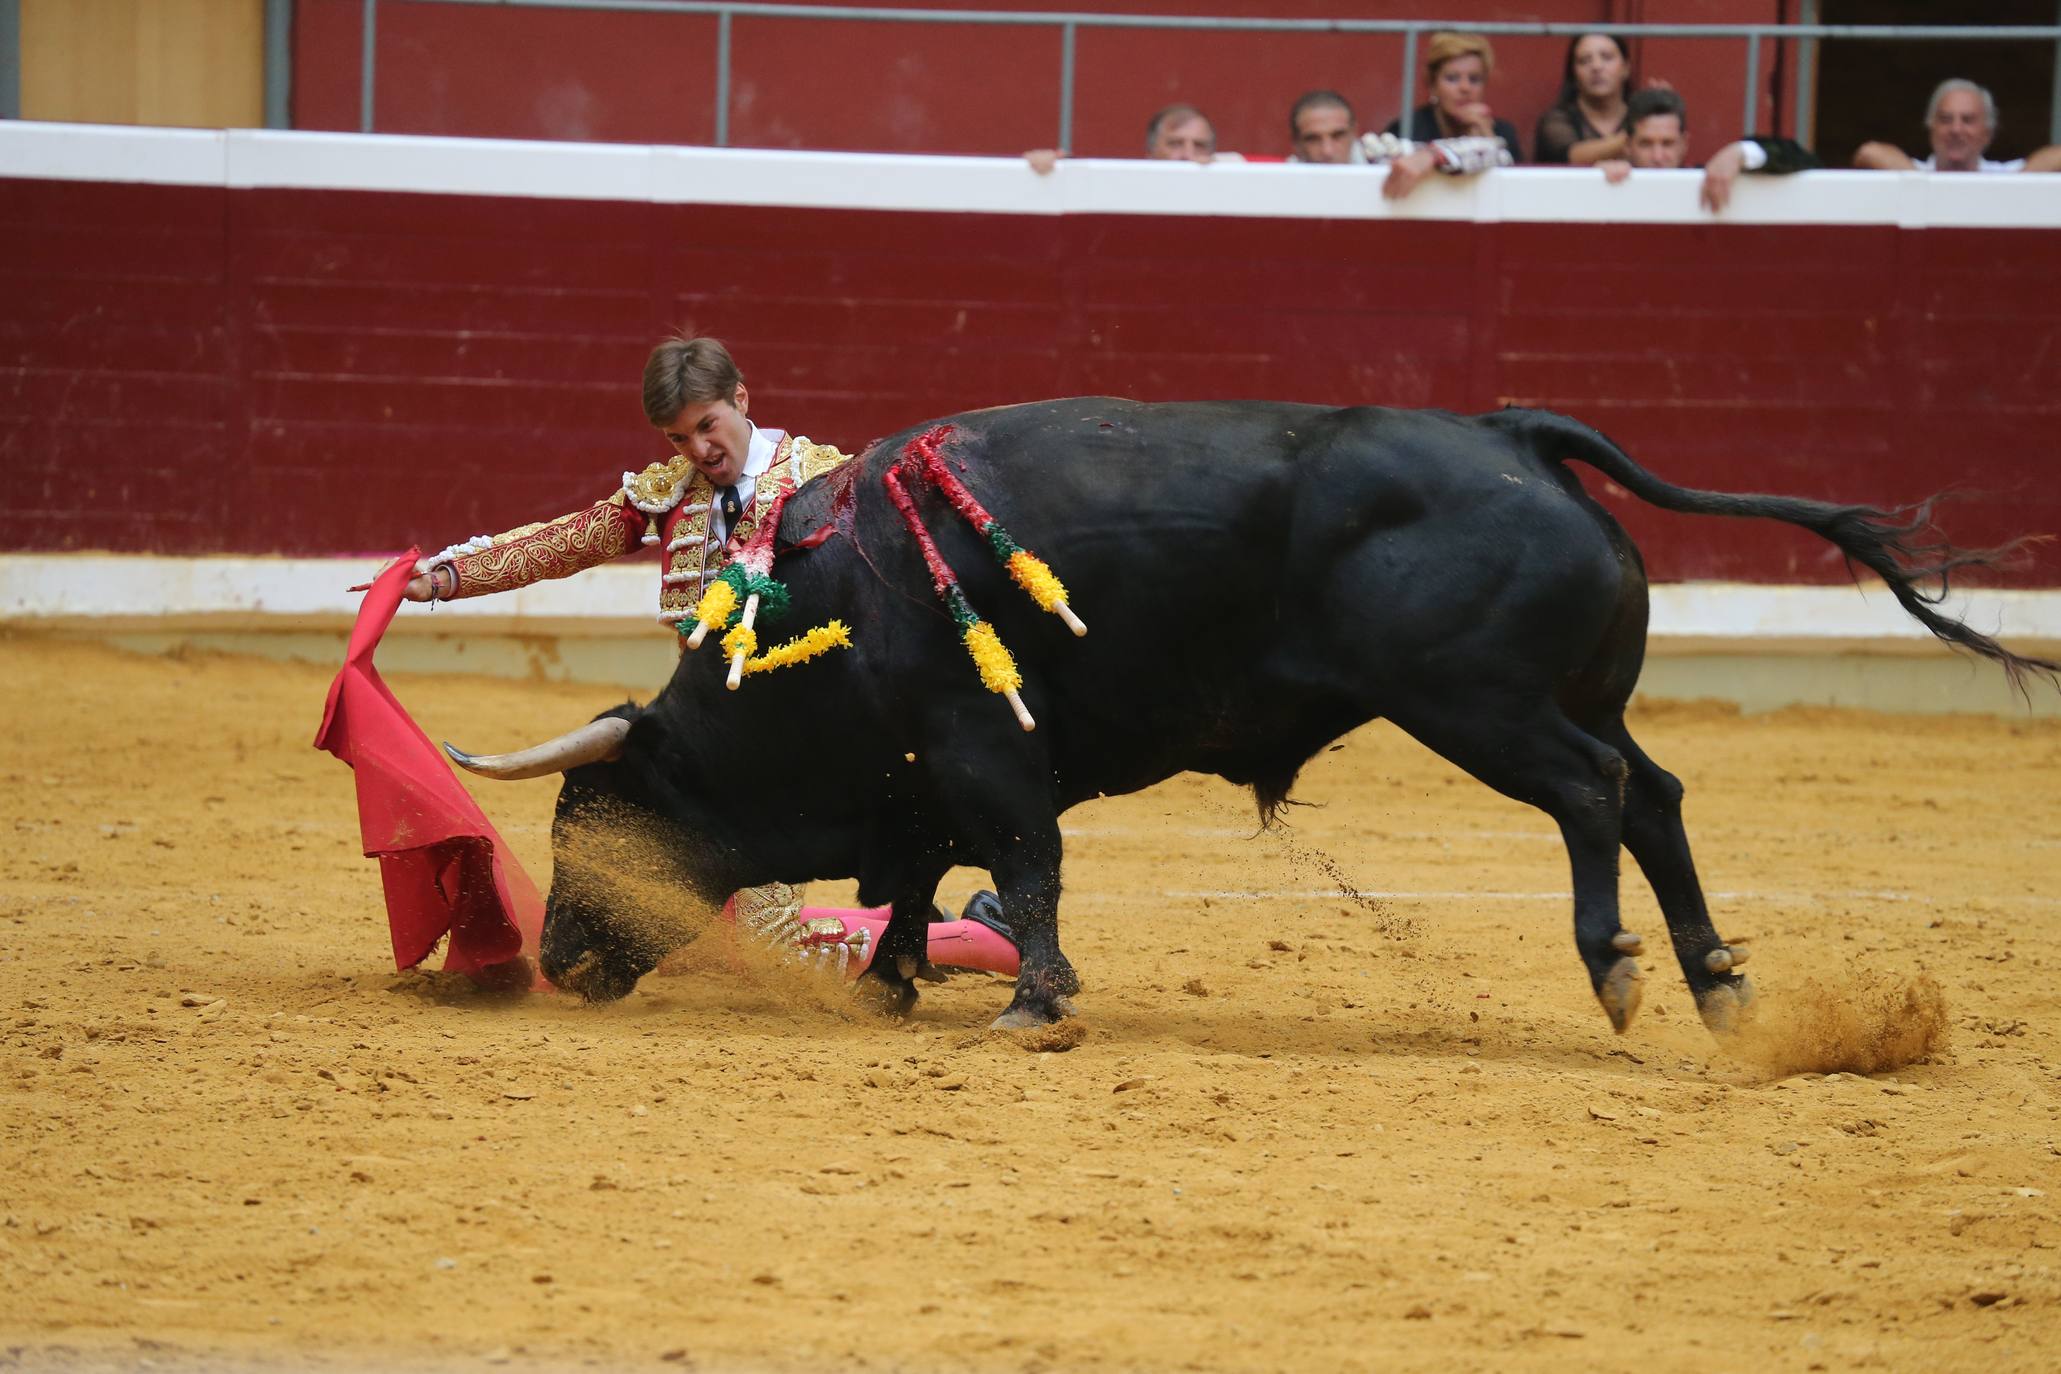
column 292, row 160
column 619, row 599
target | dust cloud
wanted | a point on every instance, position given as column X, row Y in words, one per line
column 1862, row 1023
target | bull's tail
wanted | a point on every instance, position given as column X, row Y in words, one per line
column 1900, row 546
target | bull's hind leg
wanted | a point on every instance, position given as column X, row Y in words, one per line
column 1654, row 833
column 1539, row 757
column 1026, row 875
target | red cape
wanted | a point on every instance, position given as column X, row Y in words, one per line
column 444, row 867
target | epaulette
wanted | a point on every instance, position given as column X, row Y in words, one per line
column 812, row 460
column 659, row 487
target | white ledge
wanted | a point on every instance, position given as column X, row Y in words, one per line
column 132, row 591
column 247, row 159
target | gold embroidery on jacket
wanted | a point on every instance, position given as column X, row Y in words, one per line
column 813, row 460
column 554, row 548
column 657, row 489
column 796, row 461
column 680, row 587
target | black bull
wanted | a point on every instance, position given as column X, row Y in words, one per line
column 1258, row 580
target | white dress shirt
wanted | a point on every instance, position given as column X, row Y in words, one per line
column 757, row 458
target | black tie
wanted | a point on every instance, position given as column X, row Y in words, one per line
column 733, row 511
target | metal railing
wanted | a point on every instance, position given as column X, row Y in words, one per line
column 10, row 59
column 278, row 48
column 1070, row 24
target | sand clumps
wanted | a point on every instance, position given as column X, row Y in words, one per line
column 1056, row 1038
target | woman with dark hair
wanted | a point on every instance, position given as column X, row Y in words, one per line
column 1587, row 124
column 1458, row 65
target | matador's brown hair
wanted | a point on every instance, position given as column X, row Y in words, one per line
column 683, row 371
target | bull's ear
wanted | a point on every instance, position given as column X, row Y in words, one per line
column 598, row 741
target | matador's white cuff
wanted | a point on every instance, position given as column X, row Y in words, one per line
column 479, row 543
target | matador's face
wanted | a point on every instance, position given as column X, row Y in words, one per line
column 714, row 436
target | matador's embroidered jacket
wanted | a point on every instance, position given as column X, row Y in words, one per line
column 670, row 503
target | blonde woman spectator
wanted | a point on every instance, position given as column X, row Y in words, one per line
column 1459, row 66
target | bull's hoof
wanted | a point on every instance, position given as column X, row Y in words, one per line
column 885, row 994
column 509, row 978
column 1620, row 993
column 1041, row 997
column 1727, row 1009
column 1030, row 1016
column 593, row 978
column 1725, row 958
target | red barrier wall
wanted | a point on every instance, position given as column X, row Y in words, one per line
column 199, row 370
column 471, row 70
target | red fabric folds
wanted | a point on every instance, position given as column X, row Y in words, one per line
column 444, row 867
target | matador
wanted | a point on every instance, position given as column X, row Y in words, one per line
column 702, row 506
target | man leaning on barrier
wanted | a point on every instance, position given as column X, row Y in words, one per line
column 1657, row 136
column 1960, row 121
column 1177, row 133
column 1324, row 131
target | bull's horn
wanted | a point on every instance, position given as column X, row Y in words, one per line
column 597, row 741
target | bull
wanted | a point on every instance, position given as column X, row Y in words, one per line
column 1261, row 578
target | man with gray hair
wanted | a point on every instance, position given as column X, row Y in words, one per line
column 1178, row 133
column 1961, row 119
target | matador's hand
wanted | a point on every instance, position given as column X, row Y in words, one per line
column 435, row 585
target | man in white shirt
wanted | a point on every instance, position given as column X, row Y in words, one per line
column 1961, row 120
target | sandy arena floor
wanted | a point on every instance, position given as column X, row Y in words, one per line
column 1295, row 1132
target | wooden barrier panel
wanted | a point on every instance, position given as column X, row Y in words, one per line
column 196, row 63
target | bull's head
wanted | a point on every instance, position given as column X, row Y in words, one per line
column 617, row 826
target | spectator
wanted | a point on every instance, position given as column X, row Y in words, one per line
column 1178, row 133
column 1181, row 133
column 1459, row 66
column 1656, row 134
column 1325, row 131
column 1321, row 128
column 1772, row 156
column 1409, row 163
column 1657, row 123
column 1588, row 123
column 1961, row 120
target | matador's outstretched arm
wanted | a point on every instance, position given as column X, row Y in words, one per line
column 532, row 553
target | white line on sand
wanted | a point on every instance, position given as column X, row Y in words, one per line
column 1332, row 894
column 1246, row 832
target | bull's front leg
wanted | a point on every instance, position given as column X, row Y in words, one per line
column 1027, row 879
column 889, row 982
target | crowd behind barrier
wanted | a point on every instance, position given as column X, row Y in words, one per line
column 1602, row 118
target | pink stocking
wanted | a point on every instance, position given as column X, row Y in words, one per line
column 954, row 944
